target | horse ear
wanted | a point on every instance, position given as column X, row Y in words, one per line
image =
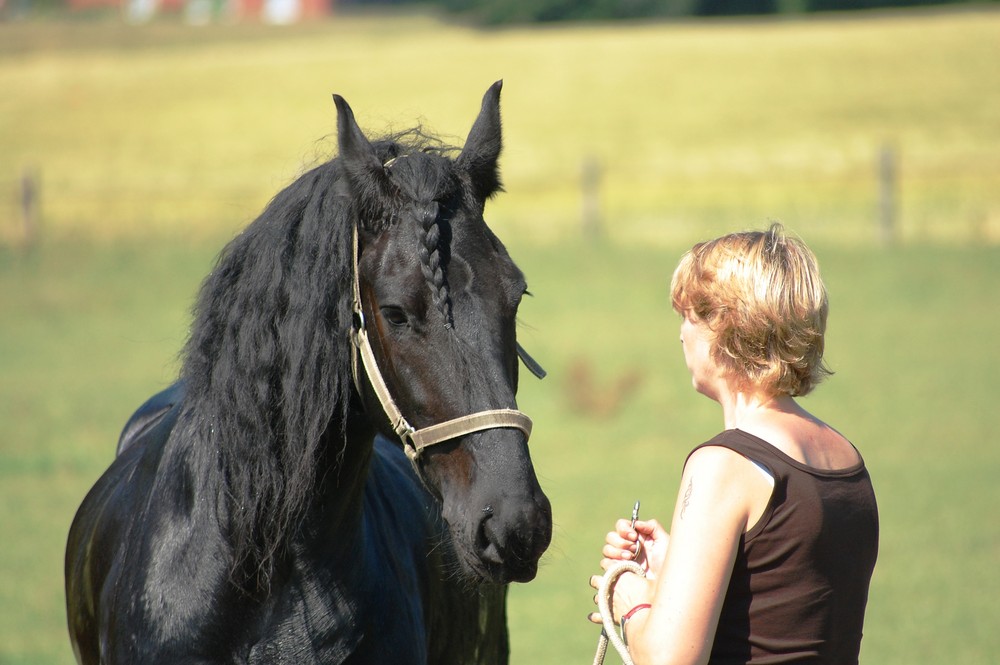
column 482, row 147
column 362, row 166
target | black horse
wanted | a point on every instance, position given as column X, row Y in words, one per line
column 262, row 510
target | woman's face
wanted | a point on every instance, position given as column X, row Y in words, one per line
column 696, row 339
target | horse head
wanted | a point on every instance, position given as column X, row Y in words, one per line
column 439, row 296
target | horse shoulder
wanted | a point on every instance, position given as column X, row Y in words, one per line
column 355, row 590
column 144, row 557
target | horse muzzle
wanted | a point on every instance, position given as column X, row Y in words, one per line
column 511, row 537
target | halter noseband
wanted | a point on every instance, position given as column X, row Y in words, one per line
column 415, row 440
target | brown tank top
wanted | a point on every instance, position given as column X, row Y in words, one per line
column 800, row 582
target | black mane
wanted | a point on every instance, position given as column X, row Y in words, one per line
column 267, row 364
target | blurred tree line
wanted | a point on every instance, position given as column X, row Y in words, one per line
column 496, row 12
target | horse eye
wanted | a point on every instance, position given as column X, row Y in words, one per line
column 394, row 315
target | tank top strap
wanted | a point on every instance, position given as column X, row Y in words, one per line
column 757, row 451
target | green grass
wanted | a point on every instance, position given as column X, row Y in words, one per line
column 93, row 329
column 156, row 143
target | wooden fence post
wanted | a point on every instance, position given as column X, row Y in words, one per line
column 590, row 185
column 29, row 208
column 887, row 177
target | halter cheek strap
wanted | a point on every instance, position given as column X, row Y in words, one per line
column 415, row 440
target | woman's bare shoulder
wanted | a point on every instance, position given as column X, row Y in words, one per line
column 807, row 440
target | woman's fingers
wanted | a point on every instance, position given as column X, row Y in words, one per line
column 650, row 529
column 621, row 538
column 619, row 552
column 621, row 544
column 624, row 529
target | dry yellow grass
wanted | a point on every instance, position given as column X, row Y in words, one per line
column 697, row 126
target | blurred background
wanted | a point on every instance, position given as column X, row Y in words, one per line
column 138, row 136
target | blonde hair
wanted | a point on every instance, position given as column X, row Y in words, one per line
column 761, row 295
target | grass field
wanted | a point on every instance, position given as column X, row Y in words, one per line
column 154, row 144
column 161, row 128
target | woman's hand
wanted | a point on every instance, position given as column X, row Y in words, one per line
column 630, row 590
column 646, row 544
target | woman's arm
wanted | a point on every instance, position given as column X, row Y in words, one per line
column 719, row 490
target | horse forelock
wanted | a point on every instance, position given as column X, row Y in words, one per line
column 428, row 186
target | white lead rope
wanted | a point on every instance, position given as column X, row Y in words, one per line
column 610, row 632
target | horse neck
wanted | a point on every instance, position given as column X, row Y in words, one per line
column 340, row 482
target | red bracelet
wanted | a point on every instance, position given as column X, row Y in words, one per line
column 628, row 615
column 637, row 608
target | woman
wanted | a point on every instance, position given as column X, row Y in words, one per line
column 775, row 531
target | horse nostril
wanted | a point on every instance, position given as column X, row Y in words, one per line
column 509, row 544
column 486, row 539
